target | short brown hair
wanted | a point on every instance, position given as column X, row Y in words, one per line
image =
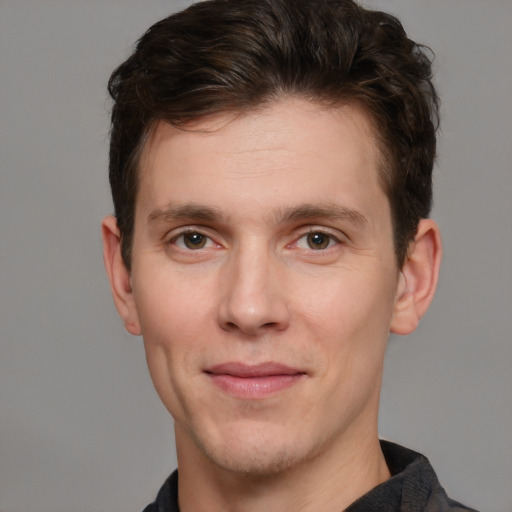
column 235, row 55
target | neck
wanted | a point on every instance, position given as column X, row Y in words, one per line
column 329, row 481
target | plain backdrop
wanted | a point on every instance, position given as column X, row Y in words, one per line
column 81, row 429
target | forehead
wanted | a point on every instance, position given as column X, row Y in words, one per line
column 288, row 151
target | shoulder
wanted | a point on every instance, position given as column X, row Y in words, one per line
column 418, row 482
column 167, row 498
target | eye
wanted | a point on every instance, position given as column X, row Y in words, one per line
column 192, row 240
column 316, row 240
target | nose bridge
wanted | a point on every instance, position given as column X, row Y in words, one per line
column 253, row 298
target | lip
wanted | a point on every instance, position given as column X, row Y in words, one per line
column 254, row 381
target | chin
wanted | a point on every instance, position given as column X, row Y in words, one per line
column 256, row 455
column 254, row 463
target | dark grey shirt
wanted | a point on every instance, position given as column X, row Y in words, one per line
column 413, row 487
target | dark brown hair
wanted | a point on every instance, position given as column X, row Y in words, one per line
column 235, row 55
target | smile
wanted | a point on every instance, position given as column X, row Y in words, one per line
column 253, row 381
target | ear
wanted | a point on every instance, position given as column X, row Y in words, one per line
column 119, row 275
column 418, row 278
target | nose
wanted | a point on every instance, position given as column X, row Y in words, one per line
column 253, row 299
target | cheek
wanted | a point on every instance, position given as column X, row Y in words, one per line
column 175, row 318
column 347, row 302
column 174, row 329
column 172, row 306
column 349, row 317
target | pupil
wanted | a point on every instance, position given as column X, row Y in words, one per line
column 194, row 240
column 318, row 240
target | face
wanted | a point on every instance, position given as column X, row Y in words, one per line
column 264, row 283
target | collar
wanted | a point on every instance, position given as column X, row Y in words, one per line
column 413, row 487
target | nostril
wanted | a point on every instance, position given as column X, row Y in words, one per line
column 252, row 328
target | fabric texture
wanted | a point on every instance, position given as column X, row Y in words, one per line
column 413, row 487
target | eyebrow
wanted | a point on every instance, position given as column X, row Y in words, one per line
column 186, row 211
column 303, row 212
column 330, row 211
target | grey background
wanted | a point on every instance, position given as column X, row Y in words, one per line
column 81, row 428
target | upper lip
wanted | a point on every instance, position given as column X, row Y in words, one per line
column 244, row 370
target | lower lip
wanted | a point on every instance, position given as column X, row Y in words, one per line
column 254, row 387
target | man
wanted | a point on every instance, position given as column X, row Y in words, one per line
column 271, row 168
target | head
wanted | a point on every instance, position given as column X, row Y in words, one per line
column 236, row 56
column 271, row 170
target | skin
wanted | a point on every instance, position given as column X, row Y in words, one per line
column 266, row 238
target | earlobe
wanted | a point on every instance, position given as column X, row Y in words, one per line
column 118, row 275
column 418, row 278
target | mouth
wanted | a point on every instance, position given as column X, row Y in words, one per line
column 254, row 381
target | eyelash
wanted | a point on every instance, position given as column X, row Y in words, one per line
column 190, row 231
column 331, row 240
